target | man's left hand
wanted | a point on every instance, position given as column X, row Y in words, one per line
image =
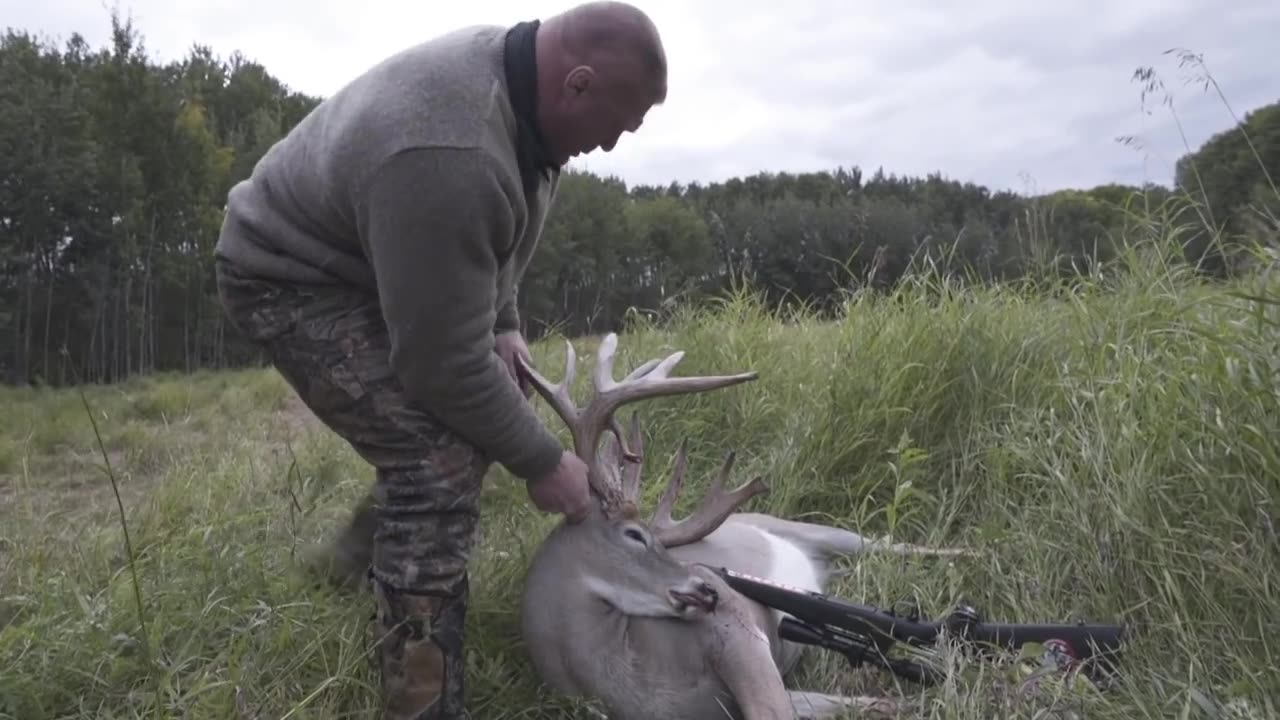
column 510, row 345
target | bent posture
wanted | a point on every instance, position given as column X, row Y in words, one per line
column 374, row 254
column 627, row 611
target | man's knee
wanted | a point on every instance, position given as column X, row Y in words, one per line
column 427, row 515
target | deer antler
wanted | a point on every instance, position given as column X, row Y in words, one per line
column 649, row 380
column 715, row 507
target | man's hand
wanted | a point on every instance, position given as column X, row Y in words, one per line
column 509, row 345
column 564, row 490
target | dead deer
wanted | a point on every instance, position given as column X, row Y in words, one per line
column 630, row 614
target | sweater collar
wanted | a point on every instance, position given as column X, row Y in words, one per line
column 520, row 65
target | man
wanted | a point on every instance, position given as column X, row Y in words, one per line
column 375, row 253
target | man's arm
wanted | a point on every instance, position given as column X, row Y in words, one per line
column 430, row 220
column 508, row 319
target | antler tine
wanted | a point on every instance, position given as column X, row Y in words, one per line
column 662, row 513
column 715, row 508
column 604, row 363
column 643, row 369
column 557, row 395
column 584, row 439
column 631, row 473
column 625, row 449
column 649, row 380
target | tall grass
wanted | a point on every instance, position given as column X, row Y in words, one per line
column 1109, row 450
column 1107, row 445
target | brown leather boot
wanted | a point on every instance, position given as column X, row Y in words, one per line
column 419, row 639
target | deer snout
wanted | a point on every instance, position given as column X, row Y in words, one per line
column 694, row 595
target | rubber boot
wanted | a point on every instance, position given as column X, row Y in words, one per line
column 419, row 640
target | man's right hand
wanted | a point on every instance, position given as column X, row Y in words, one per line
column 564, row 490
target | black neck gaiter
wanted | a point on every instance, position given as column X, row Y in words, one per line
column 520, row 64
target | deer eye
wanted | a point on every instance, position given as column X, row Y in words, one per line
column 634, row 534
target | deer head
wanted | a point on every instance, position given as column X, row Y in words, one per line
column 623, row 558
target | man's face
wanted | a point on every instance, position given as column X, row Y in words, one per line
column 597, row 109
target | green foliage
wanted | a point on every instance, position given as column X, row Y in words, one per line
column 1107, row 448
column 1236, row 168
column 118, row 168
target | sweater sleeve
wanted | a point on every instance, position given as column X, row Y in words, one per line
column 508, row 316
column 431, row 220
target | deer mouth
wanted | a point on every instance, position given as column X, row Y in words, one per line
column 697, row 596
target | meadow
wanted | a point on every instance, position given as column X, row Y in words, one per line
column 1106, row 446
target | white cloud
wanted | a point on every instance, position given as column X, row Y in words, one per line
column 983, row 91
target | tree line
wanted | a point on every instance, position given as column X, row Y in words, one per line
column 116, row 168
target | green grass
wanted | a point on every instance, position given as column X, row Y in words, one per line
column 1109, row 449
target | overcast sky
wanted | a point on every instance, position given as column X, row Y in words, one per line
column 1012, row 94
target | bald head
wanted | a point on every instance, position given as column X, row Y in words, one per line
column 614, row 32
column 601, row 67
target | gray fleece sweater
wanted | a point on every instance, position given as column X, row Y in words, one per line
column 406, row 183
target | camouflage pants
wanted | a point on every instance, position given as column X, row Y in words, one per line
column 331, row 345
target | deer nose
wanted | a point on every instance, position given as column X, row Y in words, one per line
column 696, row 592
column 711, row 597
column 699, row 593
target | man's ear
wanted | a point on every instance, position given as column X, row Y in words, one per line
column 579, row 80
